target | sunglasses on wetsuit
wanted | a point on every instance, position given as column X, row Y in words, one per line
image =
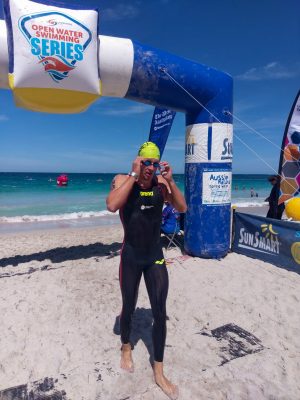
column 147, row 163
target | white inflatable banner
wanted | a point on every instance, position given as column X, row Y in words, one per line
column 53, row 56
column 209, row 143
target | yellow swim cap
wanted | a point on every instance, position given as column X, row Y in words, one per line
column 149, row 150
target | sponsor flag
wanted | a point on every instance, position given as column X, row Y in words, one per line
column 162, row 121
column 289, row 164
column 270, row 240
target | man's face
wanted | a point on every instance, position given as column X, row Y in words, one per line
column 149, row 167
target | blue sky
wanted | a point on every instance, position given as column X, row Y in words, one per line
column 256, row 42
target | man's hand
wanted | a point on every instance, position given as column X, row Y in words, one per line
column 171, row 192
column 166, row 171
column 136, row 165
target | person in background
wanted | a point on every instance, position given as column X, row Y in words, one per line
column 275, row 210
column 170, row 219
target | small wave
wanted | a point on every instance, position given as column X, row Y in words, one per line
column 249, row 204
column 9, row 186
column 56, row 217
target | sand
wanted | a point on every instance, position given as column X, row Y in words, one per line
column 60, row 300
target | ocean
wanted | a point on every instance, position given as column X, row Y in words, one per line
column 35, row 197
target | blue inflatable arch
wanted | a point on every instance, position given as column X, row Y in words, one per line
column 137, row 72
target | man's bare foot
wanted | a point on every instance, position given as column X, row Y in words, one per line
column 126, row 358
column 166, row 386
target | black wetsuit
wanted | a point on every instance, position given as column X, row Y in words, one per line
column 142, row 254
column 275, row 211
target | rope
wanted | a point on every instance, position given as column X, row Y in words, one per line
column 259, row 134
column 164, row 70
column 257, row 155
column 227, row 112
column 190, row 94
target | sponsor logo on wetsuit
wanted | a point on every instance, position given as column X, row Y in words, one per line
column 143, row 207
column 146, row 194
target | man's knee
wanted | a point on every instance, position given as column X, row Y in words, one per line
column 160, row 317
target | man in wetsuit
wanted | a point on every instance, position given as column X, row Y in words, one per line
column 139, row 197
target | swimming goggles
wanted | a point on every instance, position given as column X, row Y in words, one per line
column 147, row 163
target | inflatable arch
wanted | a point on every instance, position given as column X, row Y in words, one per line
column 137, row 72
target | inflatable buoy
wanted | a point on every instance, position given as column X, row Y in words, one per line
column 62, row 180
column 292, row 209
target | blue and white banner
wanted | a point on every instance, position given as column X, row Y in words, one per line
column 209, row 143
column 270, row 240
column 161, row 125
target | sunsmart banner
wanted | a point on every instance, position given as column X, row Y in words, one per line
column 270, row 240
column 161, row 125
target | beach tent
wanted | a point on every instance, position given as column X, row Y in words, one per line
column 133, row 71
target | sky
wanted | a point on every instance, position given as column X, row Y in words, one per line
column 256, row 42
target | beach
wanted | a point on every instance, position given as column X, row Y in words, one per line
column 233, row 324
column 116, row 121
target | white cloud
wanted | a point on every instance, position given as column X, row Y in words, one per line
column 270, row 127
column 244, row 106
column 130, row 110
column 13, row 163
column 88, row 155
column 121, row 11
column 91, row 160
column 271, row 71
column 3, row 117
column 262, row 121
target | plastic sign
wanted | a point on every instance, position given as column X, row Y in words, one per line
column 216, row 187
